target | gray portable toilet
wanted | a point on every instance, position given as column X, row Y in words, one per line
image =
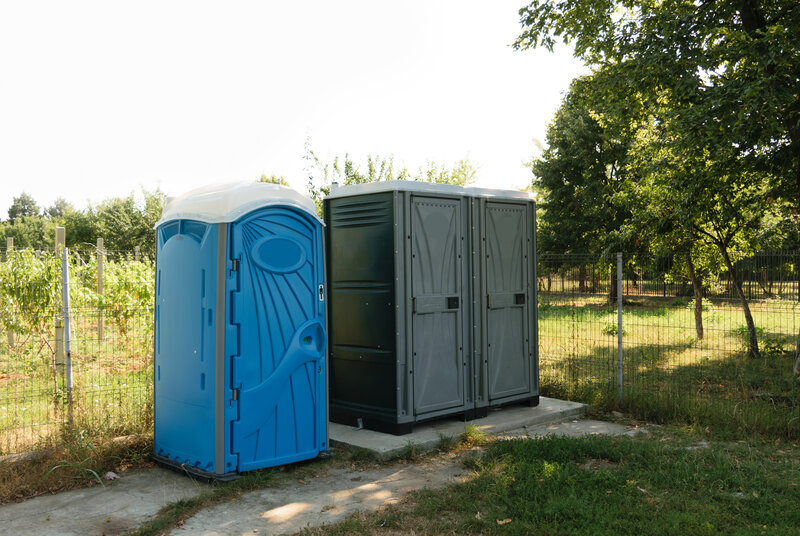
column 432, row 301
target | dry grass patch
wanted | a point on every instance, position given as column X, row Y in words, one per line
column 80, row 461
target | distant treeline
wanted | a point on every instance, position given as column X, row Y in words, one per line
column 122, row 222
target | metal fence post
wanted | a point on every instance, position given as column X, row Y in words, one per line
column 100, row 287
column 619, row 326
column 67, row 335
column 59, row 320
column 9, row 247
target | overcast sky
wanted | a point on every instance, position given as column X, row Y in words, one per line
column 100, row 98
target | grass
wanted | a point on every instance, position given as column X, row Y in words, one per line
column 663, row 485
column 670, row 374
column 77, row 460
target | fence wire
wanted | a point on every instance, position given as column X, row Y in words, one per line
column 678, row 362
column 672, row 368
column 111, row 343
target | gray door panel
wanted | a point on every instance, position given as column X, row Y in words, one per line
column 507, row 314
column 436, row 304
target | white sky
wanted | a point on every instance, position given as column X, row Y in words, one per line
column 98, row 98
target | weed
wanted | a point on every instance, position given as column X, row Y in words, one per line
column 447, row 443
column 81, row 458
column 360, row 455
column 410, row 452
column 473, row 436
column 707, row 306
column 612, row 328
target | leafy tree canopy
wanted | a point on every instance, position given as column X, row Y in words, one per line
column 273, row 179
column 578, row 176
column 22, row 206
column 346, row 171
column 725, row 75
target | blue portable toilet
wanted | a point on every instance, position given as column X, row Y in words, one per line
column 240, row 341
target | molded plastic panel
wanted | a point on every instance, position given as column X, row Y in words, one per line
column 435, row 280
column 185, row 318
column 278, row 363
column 361, row 248
column 507, row 315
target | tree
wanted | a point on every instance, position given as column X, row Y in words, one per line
column 697, row 197
column 273, row 179
column 578, row 175
column 345, row 171
column 462, row 173
column 124, row 224
column 29, row 232
column 22, row 206
column 59, row 207
column 728, row 71
column 711, row 88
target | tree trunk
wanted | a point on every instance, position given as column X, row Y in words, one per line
column 752, row 346
column 697, row 286
column 796, row 368
column 582, row 278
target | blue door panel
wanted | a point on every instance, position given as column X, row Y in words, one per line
column 278, row 362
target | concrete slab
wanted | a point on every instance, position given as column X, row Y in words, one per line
column 575, row 429
column 427, row 436
column 119, row 507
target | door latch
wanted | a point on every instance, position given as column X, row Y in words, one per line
column 321, row 293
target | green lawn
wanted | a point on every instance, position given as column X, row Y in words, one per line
column 668, row 484
column 669, row 374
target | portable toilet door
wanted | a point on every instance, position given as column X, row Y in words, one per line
column 437, row 279
column 240, row 357
column 508, row 276
column 276, row 338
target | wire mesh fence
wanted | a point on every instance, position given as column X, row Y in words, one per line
column 680, row 359
column 111, row 345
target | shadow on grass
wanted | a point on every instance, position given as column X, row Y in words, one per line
column 734, row 394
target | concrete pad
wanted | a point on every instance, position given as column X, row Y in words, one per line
column 119, row 507
column 575, row 429
column 427, row 436
column 322, row 500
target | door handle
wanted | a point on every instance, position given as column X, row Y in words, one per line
column 452, row 302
